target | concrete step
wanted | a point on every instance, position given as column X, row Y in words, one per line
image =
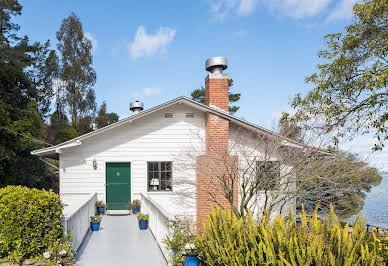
column 118, row 212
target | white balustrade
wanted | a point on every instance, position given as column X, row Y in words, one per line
column 158, row 223
column 77, row 221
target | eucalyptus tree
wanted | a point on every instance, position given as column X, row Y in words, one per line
column 76, row 69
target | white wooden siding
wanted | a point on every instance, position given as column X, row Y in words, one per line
column 152, row 138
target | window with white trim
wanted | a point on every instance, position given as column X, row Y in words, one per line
column 159, row 176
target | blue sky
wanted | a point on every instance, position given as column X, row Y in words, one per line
column 156, row 50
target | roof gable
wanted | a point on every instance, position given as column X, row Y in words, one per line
column 180, row 100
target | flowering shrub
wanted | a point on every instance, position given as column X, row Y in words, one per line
column 59, row 252
column 378, row 239
column 227, row 240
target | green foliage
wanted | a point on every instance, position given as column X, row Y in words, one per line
column 182, row 231
column 199, row 96
column 103, row 118
column 76, row 68
column 30, row 222
column 289, row 128
column 143, row 217
column 380, row 237
column 58, row 122
column 96, row 219
column 59, row 252
column 350, row 88
column 23, row 103
column 353, row 176
column 100, row 203
column 136, row 203
column 66, row 134
column 8, row 8
column 227, row 240
column 84, row 125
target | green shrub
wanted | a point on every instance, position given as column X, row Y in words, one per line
column 66, row 134
column 96, row 219
column 136, row 203
column 182, row 231
column 100, row 203
column 30, row 222
column 143, row 217
column 227, row 240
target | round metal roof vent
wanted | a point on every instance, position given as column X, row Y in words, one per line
column 136, row 107
column 216, row 64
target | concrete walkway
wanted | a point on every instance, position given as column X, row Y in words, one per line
column 120, row 242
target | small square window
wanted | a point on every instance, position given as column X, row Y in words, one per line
column 189, row 115
column 168, row 115
column 268, row 174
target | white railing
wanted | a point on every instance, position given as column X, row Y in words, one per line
column 158, row 221
column 77, row 221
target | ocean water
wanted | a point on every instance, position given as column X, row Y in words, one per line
column 376, row 204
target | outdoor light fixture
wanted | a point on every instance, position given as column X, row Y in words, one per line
column 155, row 183
column 94, row 164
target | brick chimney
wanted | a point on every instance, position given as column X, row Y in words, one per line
column 211, row 165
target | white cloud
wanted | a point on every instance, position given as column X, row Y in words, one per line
column 222, row 8
column 147, row 44
column 94, row 42
column 298, row 8
column 342, row 10
column 246, row 7
column 150, row 91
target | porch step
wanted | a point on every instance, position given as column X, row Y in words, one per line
column 117, row 212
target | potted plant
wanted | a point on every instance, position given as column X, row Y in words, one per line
column 95, row 222
column 191, row 255
column 143, row 221
column 175, row 242
column 100, row 207
column 135, row 206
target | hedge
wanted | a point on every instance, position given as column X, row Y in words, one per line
column 30, row 222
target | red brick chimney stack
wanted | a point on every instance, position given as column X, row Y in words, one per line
column 217, row 139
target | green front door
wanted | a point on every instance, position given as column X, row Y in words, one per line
column 118, row 185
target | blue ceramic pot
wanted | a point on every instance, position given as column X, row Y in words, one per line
column 175, row 252
column 95, row 226
column 191, row 260
column 143, row 224
column 100, row 210
column 135, row 210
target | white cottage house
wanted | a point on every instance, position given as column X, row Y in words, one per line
column 140, row 153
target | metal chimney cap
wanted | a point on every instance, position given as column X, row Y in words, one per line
column 136, row 106
column 216, row 64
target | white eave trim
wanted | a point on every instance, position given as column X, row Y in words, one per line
column 60, row 148
column 56, row 149
column 180, row 100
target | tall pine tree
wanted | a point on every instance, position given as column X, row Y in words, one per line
column 21, row 126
